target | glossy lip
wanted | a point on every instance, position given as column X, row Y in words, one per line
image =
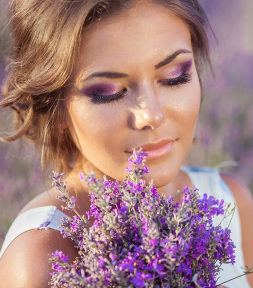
column 159, row 152
column 154, row 146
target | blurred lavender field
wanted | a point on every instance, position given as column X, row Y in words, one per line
column 225, row 128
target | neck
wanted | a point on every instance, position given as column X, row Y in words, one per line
column 80, row 190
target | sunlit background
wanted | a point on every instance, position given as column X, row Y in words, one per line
column 224, row 135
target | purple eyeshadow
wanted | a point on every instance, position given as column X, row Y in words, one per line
column 109, row 89
column 100, row 89
column 185, row 67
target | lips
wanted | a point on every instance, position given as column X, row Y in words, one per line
column 154, row 146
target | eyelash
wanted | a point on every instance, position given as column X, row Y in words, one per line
column 184, row 78
column 98, row 99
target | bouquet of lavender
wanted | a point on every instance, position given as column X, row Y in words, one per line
column 139, row 238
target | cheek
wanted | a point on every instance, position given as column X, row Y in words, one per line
column 184, row 102
column 182, row 110
column 100, row 134
column 95, row 124
column 190, row 110
column 191, row 103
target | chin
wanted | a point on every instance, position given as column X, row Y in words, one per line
column 161, row 178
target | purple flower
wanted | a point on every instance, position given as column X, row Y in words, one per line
column 138, row 282
column 138, row 238
column 60, row 256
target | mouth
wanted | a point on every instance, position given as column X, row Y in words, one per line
column 156, row 149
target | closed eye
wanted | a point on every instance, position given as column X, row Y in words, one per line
column 184, row 78
column 100, row 99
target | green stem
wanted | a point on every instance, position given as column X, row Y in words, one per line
column 234, row 278
column 76, row 212
column 123, row 240
column 232, row 216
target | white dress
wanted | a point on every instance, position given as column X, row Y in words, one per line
column 206, row 179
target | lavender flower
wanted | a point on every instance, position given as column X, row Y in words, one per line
column 139, row 238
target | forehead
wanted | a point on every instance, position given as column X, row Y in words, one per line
column 140, row 36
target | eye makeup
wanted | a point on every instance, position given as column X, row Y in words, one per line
column 102, row 89
column 186, row 66
column 107, row 92
column 182, row 73
column 183, row 67
column 104, row 93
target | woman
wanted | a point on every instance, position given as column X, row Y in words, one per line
column 90, row 81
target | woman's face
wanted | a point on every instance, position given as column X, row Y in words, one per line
column 128, row 91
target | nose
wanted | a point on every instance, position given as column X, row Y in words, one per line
column 148, row 114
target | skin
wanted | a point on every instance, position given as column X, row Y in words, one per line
column 104, row 131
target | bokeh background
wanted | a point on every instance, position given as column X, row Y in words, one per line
column 224, row 134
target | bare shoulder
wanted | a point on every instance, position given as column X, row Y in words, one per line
column 244, row 201
column 25, row 263
column 242, row 195
column 49, row 198
column 239, row 190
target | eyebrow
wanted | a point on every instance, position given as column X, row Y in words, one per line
column 114, row 75
column 171, row 57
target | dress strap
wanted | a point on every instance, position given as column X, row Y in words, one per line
column 209, row 181
column 36, row 218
